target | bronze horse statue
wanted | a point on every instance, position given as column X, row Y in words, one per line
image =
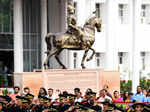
column 72, row 42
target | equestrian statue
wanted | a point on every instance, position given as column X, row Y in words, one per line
column 75, row 38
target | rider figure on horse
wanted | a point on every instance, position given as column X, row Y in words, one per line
column 72, row 25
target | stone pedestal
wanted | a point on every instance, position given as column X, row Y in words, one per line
column 68, row 80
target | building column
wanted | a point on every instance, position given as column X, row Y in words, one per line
column 18, row 36
column 136, row 4
column 43, row 30
column 65, row 55
column 111, row 58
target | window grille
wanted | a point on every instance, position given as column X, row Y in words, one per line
column 75, row 59
column 6, row 16
column 120, row 54
column 98, row 59
column 145, row 14
column 98, row 10
column 123, row 13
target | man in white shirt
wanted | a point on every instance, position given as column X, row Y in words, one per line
column 102, row 97
column 78, row 95
column 51, row 95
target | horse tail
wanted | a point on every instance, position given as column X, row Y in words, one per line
column 50, row 40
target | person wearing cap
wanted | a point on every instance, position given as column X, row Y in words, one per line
column 18, row 107
column 63, row 104
column 71, row 101
column 38, row 107
column 138, row 107
column 46, row 103
column 71, row 98
column 91, row 102
column 107, row 105
column 26, row 104
column 29, row 96
column 6, row 101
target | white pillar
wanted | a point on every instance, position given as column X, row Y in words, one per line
column 65, row 54
column 135, row 49
column 18, row 36
column 43, row 30
column 111, row 13
column 131, row 37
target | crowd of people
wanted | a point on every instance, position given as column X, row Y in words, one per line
column 63, row 101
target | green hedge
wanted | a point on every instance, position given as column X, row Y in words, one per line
column 127, row 85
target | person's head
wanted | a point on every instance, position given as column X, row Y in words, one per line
column 16, row 89
column 130, row 95
column 30, row 97
column 71, row 97
column 102, row 93
column 148, row 93
column 25, row 102
column 50, row 91
column 42, row 91
column 77, row 91
column 139, row 89
column 26, row 90
column 106, row 104
column 92, row 96
column 125, row 95
column 88, row 90
column 116, row 94
column 144, row 91
column 62, row 98
column 19, row 100
column 138, row 107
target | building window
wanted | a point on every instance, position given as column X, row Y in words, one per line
column 98, row 59
column 143, row 60
column 32, row 35
column 98, row 10
column 145, row 14
column 75, row 60
column 6, row 16
column 120, row 55
column 123, row 13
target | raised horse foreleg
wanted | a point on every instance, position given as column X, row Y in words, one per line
column 91, row 57
column 47, row 59
column 83, row 59
column 57, row 58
